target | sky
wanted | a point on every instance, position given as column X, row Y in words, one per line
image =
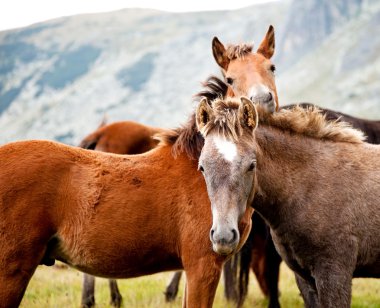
column 21, row 13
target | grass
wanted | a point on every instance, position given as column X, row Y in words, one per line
column 57, row 287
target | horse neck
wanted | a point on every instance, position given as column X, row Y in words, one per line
column 287, row 168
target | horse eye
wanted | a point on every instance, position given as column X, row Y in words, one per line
column 273, row 68
column 229, row 80
column 201, row 169
column 252, row 166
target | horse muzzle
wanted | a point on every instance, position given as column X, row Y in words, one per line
column 224, row 241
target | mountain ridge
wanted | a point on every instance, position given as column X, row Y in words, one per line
column 59, row 78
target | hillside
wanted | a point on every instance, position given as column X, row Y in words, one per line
column 59, row 78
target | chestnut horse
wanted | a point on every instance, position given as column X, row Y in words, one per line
column 108, row 214
column 317, row 184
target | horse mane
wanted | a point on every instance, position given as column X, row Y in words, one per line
column 187, row 138
column 214, row 88
column 310, row 122
column 226, row 121
column 238, row 51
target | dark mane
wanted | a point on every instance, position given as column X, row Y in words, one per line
column 187, row 138
column 214, row 88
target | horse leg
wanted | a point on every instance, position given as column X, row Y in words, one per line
column 116, row 297
column 172, row 288
column 19, row 259
column 333, row 283
column 271, row 269
column 88, row 291
column 308, row 292
column 201, row 284
column 230, row 278
column 265, row 260
column 258, row 262
column 13, row 282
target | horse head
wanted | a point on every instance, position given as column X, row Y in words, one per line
column 228, row 164
column 250, row 73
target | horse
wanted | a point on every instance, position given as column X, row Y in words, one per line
column 316, row 184
column 115, row 216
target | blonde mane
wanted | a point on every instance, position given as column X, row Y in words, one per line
column 225, row 121
column 311, row 122
column 303, row 121
column 238, row 51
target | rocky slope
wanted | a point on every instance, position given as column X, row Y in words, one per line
column 59, row 78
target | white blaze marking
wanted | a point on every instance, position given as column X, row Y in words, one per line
column 227, row 148
column 258, row 90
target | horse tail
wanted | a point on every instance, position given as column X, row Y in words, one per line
column 104, row 121
column 236, row 274
column 90, row 142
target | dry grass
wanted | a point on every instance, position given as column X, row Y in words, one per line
column 56, row 287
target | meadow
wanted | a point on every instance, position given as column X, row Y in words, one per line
column 59, row 286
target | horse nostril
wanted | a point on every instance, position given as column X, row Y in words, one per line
column 270, row 96
column 234, row 235
column 212, row 234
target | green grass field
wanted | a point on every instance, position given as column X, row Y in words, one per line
column 57, row 287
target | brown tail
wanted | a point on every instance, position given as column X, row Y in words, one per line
column 90, row 141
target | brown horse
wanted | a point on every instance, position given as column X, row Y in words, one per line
column 318, row 184
column 108, row 214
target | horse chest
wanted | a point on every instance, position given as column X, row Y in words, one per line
column 291, row 252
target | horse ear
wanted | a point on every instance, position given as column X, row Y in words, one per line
column 204, row 114
column 248, row 113
column 220, row 54
column 266, row 47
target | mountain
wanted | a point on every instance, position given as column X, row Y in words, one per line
column 59, row 78
column 343, row 71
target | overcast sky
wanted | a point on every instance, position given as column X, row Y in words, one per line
column 21, row 13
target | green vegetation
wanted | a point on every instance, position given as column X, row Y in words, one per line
column 61, row 287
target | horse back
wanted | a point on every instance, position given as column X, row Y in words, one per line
column 125, row 137
column 44, row 177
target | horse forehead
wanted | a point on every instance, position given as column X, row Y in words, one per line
column 226, row 148
column 249, row 69
column 249, row 61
